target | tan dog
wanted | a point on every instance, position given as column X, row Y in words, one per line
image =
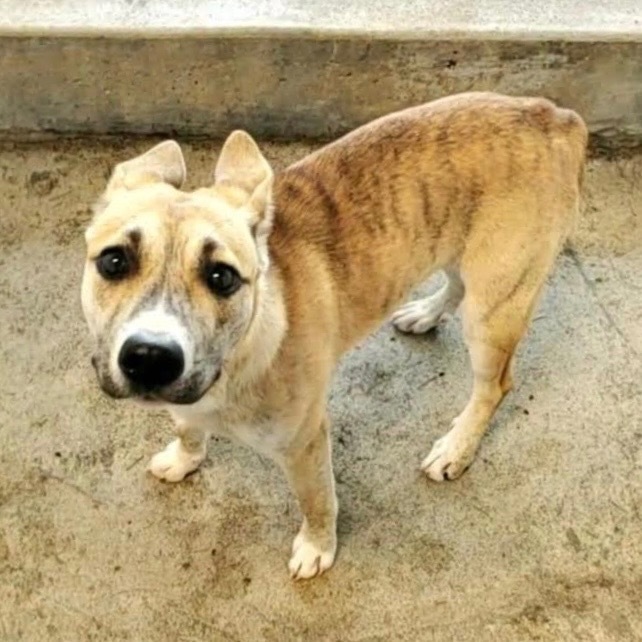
column 232, row 304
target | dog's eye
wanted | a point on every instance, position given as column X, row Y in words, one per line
column 113, row 263
column 222, row 279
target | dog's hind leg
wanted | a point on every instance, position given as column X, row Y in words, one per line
column 422, row 315
column 496, row 309
column 182, row 456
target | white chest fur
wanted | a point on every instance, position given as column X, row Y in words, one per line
column 266, row 435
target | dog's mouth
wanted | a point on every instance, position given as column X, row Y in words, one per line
column 182, row 395
column 186, row 391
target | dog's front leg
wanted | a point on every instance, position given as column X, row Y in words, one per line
column 308, row 466
column 183, row 455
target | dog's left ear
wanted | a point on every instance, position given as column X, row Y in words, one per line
column 242, row 166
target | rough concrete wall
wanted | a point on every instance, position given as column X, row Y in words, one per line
column 291, row 88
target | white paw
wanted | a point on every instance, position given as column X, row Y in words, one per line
column 419, row 316
column 450, row 456
column 173, row 463
column 308, row 560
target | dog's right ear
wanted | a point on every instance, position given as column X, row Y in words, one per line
column 163, row 163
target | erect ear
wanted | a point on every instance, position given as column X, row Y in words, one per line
column 163, row 163
column 242, row 167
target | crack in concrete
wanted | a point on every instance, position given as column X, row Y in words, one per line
column 579, row 265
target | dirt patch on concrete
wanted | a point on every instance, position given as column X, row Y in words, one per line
column 611, row 221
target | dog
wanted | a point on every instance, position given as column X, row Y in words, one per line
column 230, row 305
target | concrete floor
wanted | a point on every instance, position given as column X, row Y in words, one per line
column 539, row 540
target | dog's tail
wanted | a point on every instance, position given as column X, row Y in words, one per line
column 574, row 132
column 571, row 142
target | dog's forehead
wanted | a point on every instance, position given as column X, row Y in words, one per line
column 125, row 211
column 155, row 196
column 204, row 217
column 163, row 216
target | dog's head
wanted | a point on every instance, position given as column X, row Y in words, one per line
column 172, row 278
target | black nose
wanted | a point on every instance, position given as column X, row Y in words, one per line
column 151, row 360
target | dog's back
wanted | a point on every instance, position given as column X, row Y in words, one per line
column 408, row 192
